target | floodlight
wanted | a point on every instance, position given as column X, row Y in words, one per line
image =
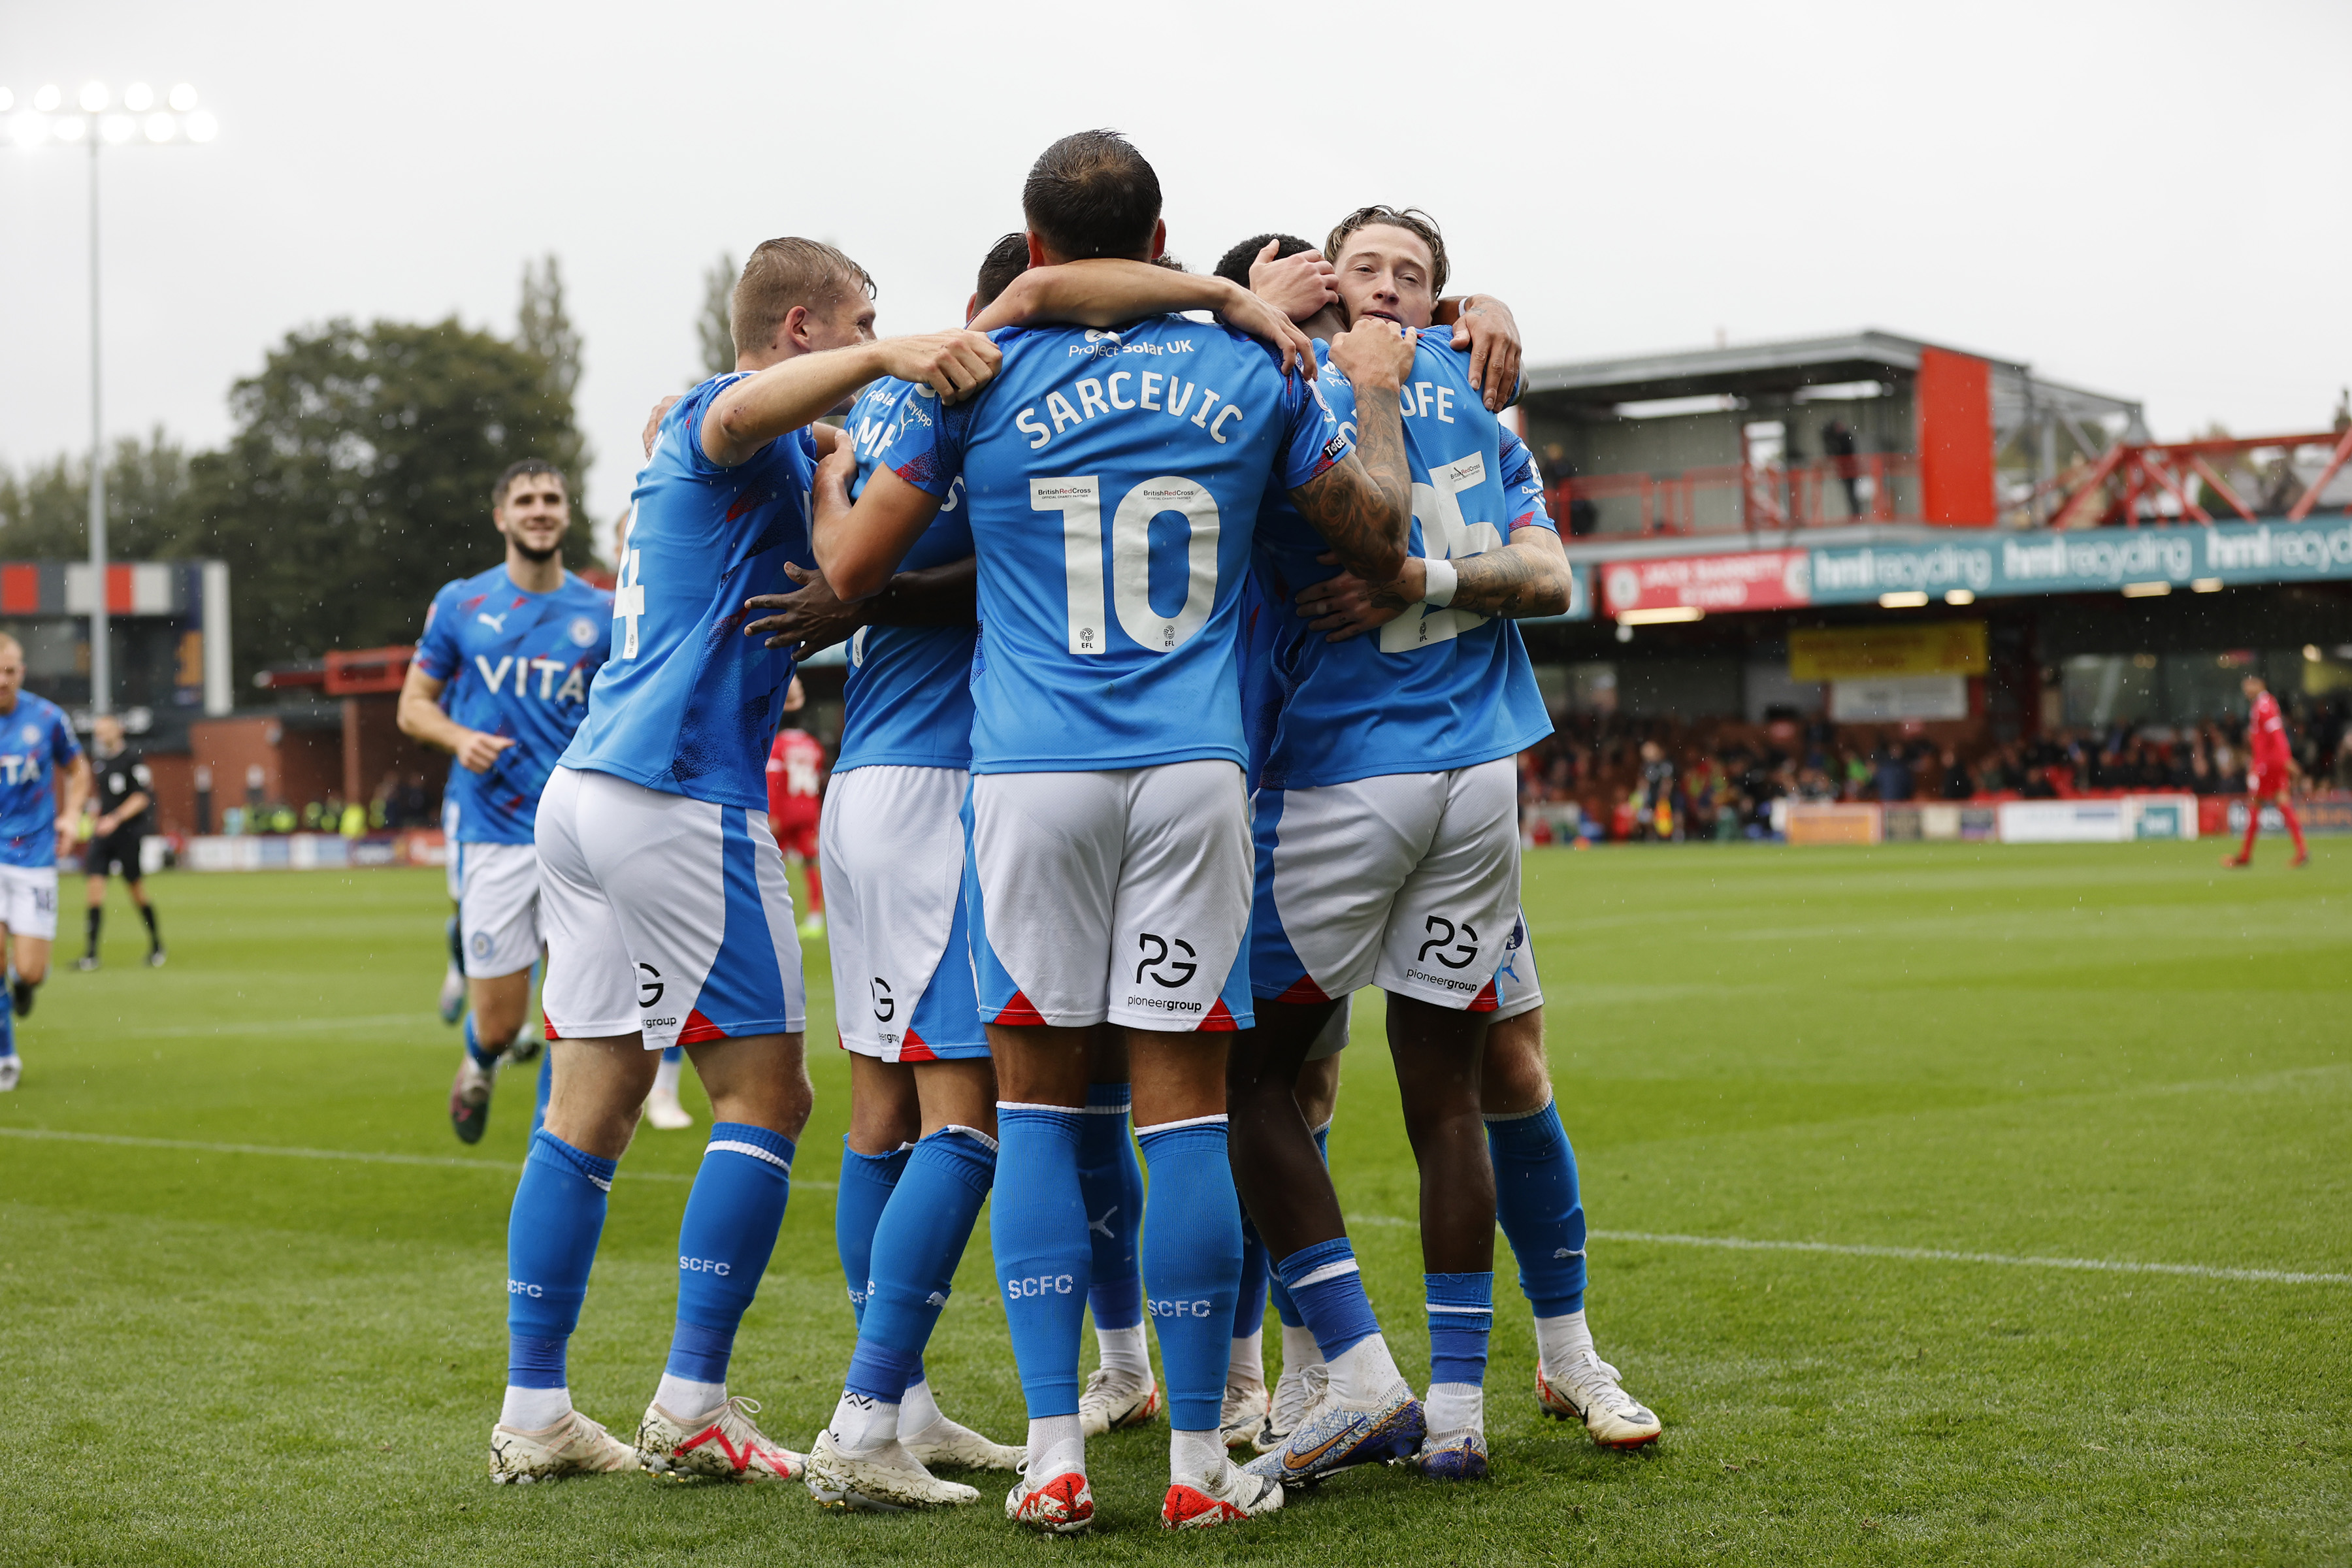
column 7, row 100
column 184, row 98
column 94, row 97
column 116, row 129
column 160, row 127
column 68, row 128
column 48, row 99
column 138, row 98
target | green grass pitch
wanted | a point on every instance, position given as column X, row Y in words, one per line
column 2119, row 1054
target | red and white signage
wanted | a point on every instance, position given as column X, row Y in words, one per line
column 1752, row 579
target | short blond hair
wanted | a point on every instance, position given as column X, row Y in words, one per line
column 1413, row 220
column 783, row 274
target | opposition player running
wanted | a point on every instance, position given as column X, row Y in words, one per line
column 500, row 681
column 2271, row 775
column 38, row 814
column 668, row 913
column 1534, row 1167
column 1113, row 480
column 125, row 790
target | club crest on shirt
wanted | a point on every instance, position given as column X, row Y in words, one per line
column 583, row 631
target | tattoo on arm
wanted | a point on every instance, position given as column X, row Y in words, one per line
column 1527, row 577
column 1364, row 506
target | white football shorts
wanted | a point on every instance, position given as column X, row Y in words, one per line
column 1120, row 895
column 1516, row 991
column 1406, row 881
column 890, row 844
column 449, row 850
column 28, row 900
column 663, row 913
column 497, row 907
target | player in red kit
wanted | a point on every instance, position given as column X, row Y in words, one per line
column 2270, row 775
column 795, row 779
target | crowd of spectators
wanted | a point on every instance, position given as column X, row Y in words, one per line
column 1651, row 778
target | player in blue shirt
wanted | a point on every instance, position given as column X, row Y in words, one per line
column 43, row 780
column 1389, row 855
column 500, row 681
column 667, row 915
column 1113, row 480
column 920, row 1152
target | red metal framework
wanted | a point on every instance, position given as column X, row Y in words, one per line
column 1773, row 496
column 2121, row 485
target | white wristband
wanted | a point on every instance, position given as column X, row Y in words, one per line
column 1439, row 582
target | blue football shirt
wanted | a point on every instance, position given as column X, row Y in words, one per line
column 686, row 703
column 1434, row 689
column 1113, row 481
column 908, row 699
column 37, row 742
column 517, row 664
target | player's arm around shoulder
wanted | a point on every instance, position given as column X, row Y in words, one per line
column 1107, row 291
column 1362, row 504
column 750, row 413
column 858, row 545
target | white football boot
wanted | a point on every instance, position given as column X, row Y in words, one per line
column 1062, row 1506
column 1588, row 1391
column 1116, row 1399
column 887, row 1479
column 12, row 1068
column 1234, row 1496
column 574, row 1445
column 1245, row 1414
column 723, row 1445
column 1296, row 1394
column 955, row 1446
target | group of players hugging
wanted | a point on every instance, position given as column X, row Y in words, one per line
column 1184, row 693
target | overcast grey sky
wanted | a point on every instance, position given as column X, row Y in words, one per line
column 2147, row 199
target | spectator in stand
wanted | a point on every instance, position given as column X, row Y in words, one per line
column 1837, row 445
column 1894, row 771
column 1655, row 816
column 1957, row 784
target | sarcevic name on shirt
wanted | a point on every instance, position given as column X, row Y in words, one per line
column 1162, row 392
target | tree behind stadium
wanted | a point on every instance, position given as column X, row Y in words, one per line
column 359, row 479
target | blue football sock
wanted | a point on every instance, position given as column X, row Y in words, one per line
column 485, row 1059
column 1536, row 1200
column 867, row 1183
column 1037, row 1227
column 546, row 1088
column 7, row 1025
column 723, row 1242
column 1110, row 1182
column 1284, row 1307
column 1324, row 1282
column 1461, row 1312
column 1193, row 1264
column 1249, row 1305
column 917, row 1247
column 559, row 1213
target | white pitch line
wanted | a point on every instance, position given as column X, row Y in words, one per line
column 1934, row 1255
column 365, row 1157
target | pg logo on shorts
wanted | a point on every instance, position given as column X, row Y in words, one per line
column 1156, row 950
column 886, row 1006
column 650, row 989
column 1445, row 934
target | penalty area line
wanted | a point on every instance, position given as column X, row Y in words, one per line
column 286, row 1152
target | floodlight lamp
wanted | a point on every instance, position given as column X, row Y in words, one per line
column 68, row 128
column 7, row 100
column 184, row 98
column 160, row 127
column 29, row 130
column 201, row 127
column 2311, row 653
column 48, row 99
column 118, row 128
column 94, row 97
column 138, row 98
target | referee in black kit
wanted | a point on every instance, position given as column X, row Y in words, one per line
column 125, row 790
